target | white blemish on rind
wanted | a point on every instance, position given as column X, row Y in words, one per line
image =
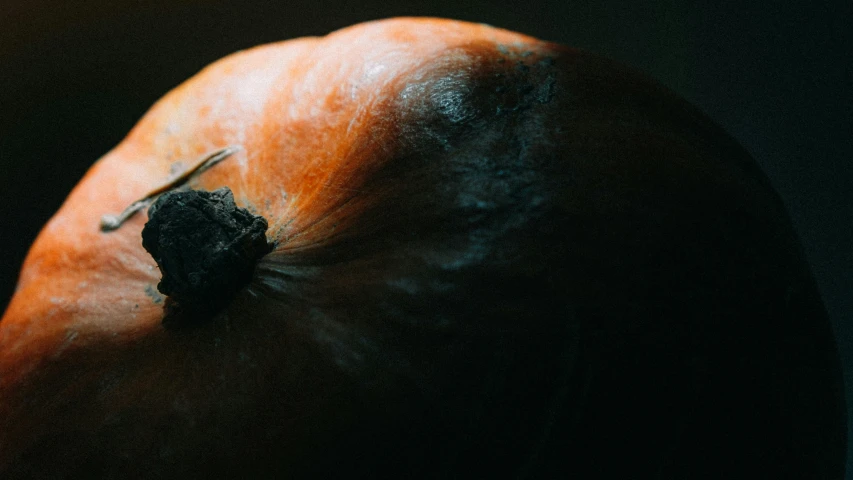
column 69, row 339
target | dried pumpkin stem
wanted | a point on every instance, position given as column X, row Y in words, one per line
column 113, row 222
column 206, row 248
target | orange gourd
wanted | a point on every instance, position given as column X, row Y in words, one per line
column 488, row 255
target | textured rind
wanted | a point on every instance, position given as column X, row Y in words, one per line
column 491, row 254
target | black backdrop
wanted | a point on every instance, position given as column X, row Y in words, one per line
column 75, row 77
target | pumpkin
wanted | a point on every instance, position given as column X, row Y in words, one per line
column 480, row 254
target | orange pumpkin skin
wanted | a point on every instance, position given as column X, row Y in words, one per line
column 492, row 254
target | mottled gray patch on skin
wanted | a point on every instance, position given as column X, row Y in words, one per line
column 153, row 294
column 451, row 103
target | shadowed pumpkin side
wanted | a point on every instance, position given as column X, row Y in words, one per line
column 490, row 256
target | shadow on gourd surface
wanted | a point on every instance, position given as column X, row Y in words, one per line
column 482, row 255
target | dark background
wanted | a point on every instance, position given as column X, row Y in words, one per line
column 76, row 76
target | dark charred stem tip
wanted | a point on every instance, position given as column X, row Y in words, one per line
column 206, row 248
